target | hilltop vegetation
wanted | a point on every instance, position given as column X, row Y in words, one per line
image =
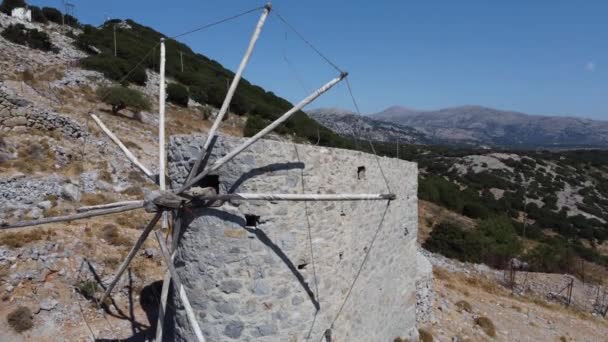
column 204, row 79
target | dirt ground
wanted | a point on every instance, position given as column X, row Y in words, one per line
column 515, row 318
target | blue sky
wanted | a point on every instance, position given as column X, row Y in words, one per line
column 540, row 57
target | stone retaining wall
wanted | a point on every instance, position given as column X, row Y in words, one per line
column 18, row 114
column 248, row 266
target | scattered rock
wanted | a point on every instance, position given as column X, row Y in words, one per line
column 70, row 192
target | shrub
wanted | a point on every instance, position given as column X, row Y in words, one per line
column 425, row 335
column 8, row 5
column 112, row 235
column 453, row 242
column 71, row 21
column 87, row 288
column 498, row 240
column 52, row 14
column 37, row 15
column 486, row 325
column 122, row 97
column 114, row 68
column 34, row 39
column 19, row 239
column 20, row 319
column 463, row 305
column 177, row 94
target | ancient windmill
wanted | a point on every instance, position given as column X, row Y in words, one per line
column 166, row 204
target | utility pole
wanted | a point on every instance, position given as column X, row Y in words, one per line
column 181, row 59
column 115, row 54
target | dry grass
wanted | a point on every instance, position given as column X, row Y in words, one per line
column 463, row 305
column 94, row 199
column 486, row 325
column 111, row 261
column 20, row 319
column 131, row 145
column 111, row 234
column 20, row 239
column 33, row 156
column 133, row 191
column 425, row 335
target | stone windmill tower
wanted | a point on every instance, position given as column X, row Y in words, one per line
column 274, row 241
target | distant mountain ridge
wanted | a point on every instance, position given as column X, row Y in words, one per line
column 479, row 125
column 352, row 125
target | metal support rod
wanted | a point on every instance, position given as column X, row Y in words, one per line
column 231, row 90
column 122, row 147
column 109, row 205
column 297, row 197
column 263, row 132
column 161, row 127
column 179, row 289
column 73, row 217
column 140, row 241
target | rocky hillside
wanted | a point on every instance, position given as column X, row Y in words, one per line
column 477, row 125
column 351, row 125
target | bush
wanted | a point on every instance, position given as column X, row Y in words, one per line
column 37, row 15
column 121, row 97
column 177, row 94
column 20, row 319
column 87, row 288
column 34, row 39
column 52, row 14
column 486, row 325
column 493, row 242
column 8, row 5
column 71, row 21
column 112, row 235
column 114, row 68
column 463, row 305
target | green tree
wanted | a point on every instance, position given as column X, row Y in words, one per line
column 37, row 15
column 122, row 97
column 8, row 5
column 52, row 14
column 498, row 240
column 177, row 94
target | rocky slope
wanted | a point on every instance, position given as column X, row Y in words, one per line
column 478, row 125
column 351, row 125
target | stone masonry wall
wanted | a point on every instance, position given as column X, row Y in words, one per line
column 18, row 114
column 248, row 266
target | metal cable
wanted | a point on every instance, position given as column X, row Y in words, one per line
column 332, row 64
column 206, row 26
column 371, row 145
column 365, row 258
column 312, row 256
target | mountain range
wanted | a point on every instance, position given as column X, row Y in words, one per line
column 469, row 125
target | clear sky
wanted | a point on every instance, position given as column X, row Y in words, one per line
column 539, row 57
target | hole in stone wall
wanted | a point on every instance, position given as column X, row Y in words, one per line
column 302, row 266
column 361, row 172
column 210, row 181
column 340, row 255
column 252, row 220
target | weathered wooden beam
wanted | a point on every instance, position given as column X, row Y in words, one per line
column 164, row 294
column 122, row 147
column 179, row 288
column 263, row 132
column 140, row 241
column 73, row 217
column 297, row 197
column 231, row 90
column 162, row 156
column 109, row 205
